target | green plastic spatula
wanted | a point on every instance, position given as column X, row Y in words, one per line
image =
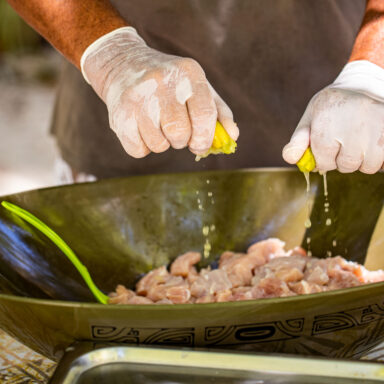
column 61, row 244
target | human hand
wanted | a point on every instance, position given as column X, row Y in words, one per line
column 344, row 123
column 154, row 100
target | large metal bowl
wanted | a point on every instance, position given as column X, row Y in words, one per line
column 122, row 228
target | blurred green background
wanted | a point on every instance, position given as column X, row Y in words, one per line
column 29, row 69
column 15, row 34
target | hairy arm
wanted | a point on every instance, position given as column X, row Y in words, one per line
column 369, row 41
column 70, row 25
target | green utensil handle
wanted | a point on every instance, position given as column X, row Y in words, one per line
column 61, row 244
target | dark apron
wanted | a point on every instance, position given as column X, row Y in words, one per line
column 265, row 58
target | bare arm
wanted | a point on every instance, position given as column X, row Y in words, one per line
column 369, row 44
column 70, row 25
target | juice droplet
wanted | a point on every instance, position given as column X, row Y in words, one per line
column 307, row 222
column 206, row 230
column 201, row 207
column 328, row 222
column 208, row 181
column 213, row 201
column 210, row 194
column 213, row 227
column 334, row 243
column 309, row 246
column 306, row 175
column 309, row 253
column 207, row 248
column 329, row 254
column 325, row 183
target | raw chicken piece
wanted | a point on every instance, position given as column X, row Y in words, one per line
column 242, row 293
column 271, row 287
column 337, row 263
column 158, row 292
column 287, row 269
column 303, row 287
column 164, row 301
column 178, row 294
column 297, row 251
column 182, row 265
column 126, row 296
column 287, row 263
column 205, row 299
column 121, row 296
column 211, row 283
column 372, row 276
column 265, row 271
column 342, row 273
column 316, row 275
column 343, row 279
column 192, row 275
column 240, row 267
column 269, row 248
column 139, row 300
column 224, row 296
column 225, row 256
column 153, row 278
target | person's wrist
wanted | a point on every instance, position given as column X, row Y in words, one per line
column 361, row 76
column 125, row 34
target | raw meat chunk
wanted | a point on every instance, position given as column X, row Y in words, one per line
column 265, row 271
column 182, row 265
column 211, row 283
column 153, row 278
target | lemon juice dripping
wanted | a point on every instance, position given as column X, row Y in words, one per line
column 328, row 220
column 307, row 222
column 207, row 229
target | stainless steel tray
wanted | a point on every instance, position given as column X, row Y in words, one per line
column 142, row 365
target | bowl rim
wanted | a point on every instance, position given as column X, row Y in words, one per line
column 288, row 169
column 266, row 301
column 242, row 303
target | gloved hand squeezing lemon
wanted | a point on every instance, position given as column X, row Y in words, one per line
column 343, row 124
column 156, row 101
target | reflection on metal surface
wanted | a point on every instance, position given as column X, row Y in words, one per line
column 19, row 364
column 133, row 365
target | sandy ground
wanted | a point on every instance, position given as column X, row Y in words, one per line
column 27, row 152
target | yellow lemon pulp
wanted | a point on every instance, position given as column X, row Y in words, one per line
column 307, row 162
column 222, row 143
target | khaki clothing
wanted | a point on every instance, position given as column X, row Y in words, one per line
column 266, row 58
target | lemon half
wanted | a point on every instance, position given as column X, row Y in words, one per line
column 307, row 163
column 222, row 143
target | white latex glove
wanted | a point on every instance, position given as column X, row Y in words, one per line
column 154, row 100
column 344, row 122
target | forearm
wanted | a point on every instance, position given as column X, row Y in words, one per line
column 69, row 25
column 369, row 41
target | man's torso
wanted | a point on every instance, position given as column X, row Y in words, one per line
column 265, row 58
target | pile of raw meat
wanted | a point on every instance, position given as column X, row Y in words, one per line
column 266, row 270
